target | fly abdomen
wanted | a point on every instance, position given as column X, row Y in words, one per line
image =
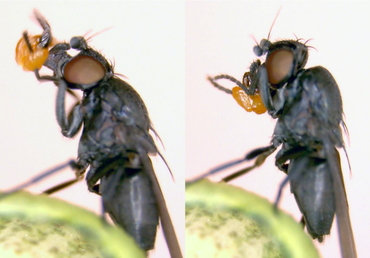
column 129, row 200
column 313, row 190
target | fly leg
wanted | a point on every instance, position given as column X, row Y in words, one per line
column 45, row 41
column 46, row 37
column 257, row 78
column 260, row 154
column 262, row 83
column 281, row 158
column 70, row 124
column 70, row 163
column 214, row 80
column 79, row 168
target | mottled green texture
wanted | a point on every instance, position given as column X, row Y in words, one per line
column 40, row 226
column 226, row 221
column 227, row 234
column 43, row 239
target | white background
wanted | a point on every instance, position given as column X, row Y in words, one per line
column 147, row 44
column 218, row 40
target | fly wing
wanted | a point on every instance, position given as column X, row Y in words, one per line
column 166, row 222
column 145, row 145
column 130, row 98
column 346, row 238
column 325, row 102
column 134, row 113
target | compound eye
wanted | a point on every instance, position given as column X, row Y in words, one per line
column 84, row 70
column 279, row 66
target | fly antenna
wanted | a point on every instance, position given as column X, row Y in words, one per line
column 268, row 36
column 97, row 33
column 254, row 38
column 262, row 48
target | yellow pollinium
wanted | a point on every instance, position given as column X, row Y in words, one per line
column 30, row 60
column 249, row 103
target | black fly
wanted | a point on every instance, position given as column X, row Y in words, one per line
column 308, row 107
column 115, row 141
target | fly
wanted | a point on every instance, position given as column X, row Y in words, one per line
column 308, row 107
column 115, row 143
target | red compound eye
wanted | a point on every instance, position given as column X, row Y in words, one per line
column 30, row 61
column 279, row 66
column 84, row 70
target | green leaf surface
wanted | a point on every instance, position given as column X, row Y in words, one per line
column 227, row 221
column 41, row 226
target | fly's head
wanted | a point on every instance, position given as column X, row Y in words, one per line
column 83, row 71
column 86, row 69
column 283, row 59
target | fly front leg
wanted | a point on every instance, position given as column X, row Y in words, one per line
column 262, row 83
column 55, row 79
column 46, row 37
column 71, row 124
column 45, row 77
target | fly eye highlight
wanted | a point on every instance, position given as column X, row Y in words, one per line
column 84, row 70
column 29, row 55
column 279, row 65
